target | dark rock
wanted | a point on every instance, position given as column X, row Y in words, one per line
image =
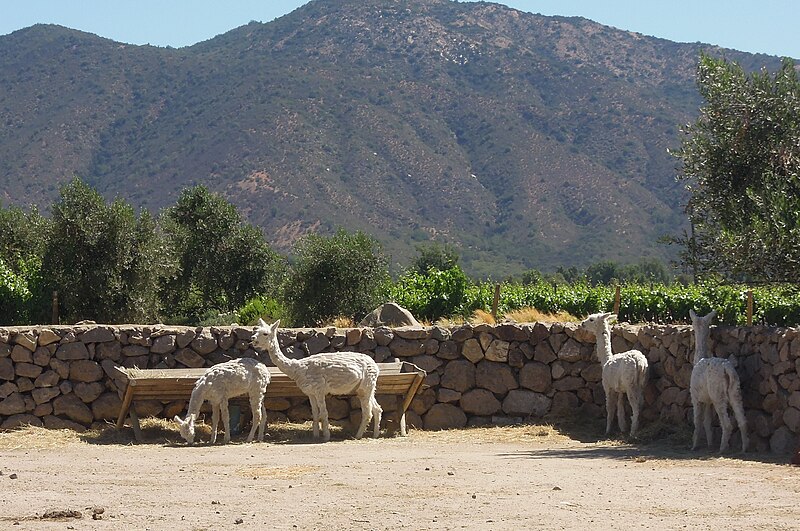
column 496, row 377
column 72, row 351
column 521, row 402
column 98, row 334
column 479, row 402
column 85, row 371
column 459, row 375
column 444, row 416
column 74, row 408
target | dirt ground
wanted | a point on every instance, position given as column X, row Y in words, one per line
column 525, row 477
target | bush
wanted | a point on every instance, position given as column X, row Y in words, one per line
column 220, row 261
column 102, row 258
column 15, row 296
column 435, row 294
column 341, row 275
column 261, row 308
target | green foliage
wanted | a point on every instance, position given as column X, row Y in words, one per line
column 265, row 308
column 610, row 272
column 577, row 299
column 15, row 296
column 23, row 237
column 101, row 258
column 341, row 275
column 657, row 303
column 532, row 276
column 742, row 161
column 221, row 262
column 439, row 295
column 434, row 256
column 435, row 294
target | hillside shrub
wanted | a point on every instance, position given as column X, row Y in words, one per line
column 340, row 275
column 436, row 293
column 15, row 296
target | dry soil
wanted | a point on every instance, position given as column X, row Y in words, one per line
column 526, row 477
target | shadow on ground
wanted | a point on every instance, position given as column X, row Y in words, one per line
column 165, row 432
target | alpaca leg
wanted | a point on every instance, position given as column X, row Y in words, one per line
column 314, row 416
column 366, row 415
column 323, row 415
column 741, row 420
column 226, row 420
column 635, row 398
column 611, row 406
column 725, row 422
column 697, row 411
column 263, row 425
column 214, row 422
column 377, row 411
column 623, row 421
column 707, row 419
column 255, row 408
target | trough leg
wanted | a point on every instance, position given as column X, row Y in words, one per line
column 137, row 430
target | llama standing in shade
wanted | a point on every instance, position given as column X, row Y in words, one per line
column 326, row 373
column 623, row 373
column 714, row 382
column 218, row 384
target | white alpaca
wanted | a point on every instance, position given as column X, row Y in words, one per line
column 714, row 382
column 218, row 384
column 334, row 373
column 623, row 373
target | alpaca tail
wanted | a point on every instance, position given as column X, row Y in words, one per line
column 642, row 376
column 733, row 385
column 735, row 399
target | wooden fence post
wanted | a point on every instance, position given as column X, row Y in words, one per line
column 55, row 307
column 617, row 300
column 749, row 308
column 496, row 301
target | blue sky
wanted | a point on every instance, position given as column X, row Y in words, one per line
column 759, row 26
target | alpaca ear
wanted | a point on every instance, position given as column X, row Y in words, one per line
column 692, row 314
column 275, row 325
column 261, row 323
column 711, row 316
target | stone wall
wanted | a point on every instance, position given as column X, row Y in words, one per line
column 60, row 376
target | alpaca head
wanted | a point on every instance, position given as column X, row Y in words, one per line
column 186, row 427
column 264, row 334
column 597, row 322
column 704, row 321
column 702, row 332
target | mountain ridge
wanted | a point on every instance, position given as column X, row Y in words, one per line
column 523, row 140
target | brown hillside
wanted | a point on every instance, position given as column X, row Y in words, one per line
column 524, row 140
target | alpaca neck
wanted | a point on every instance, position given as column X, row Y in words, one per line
column 700, row 344
column 604, row 344
column 288, row 366
column 196, row 401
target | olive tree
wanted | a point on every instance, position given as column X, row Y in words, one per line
column 22, row 241
column 440, row 257
column 741, row 162
column 221, row 261
column 102, row 258
column 340, row 275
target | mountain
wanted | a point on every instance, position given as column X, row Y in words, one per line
column 525, row 141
